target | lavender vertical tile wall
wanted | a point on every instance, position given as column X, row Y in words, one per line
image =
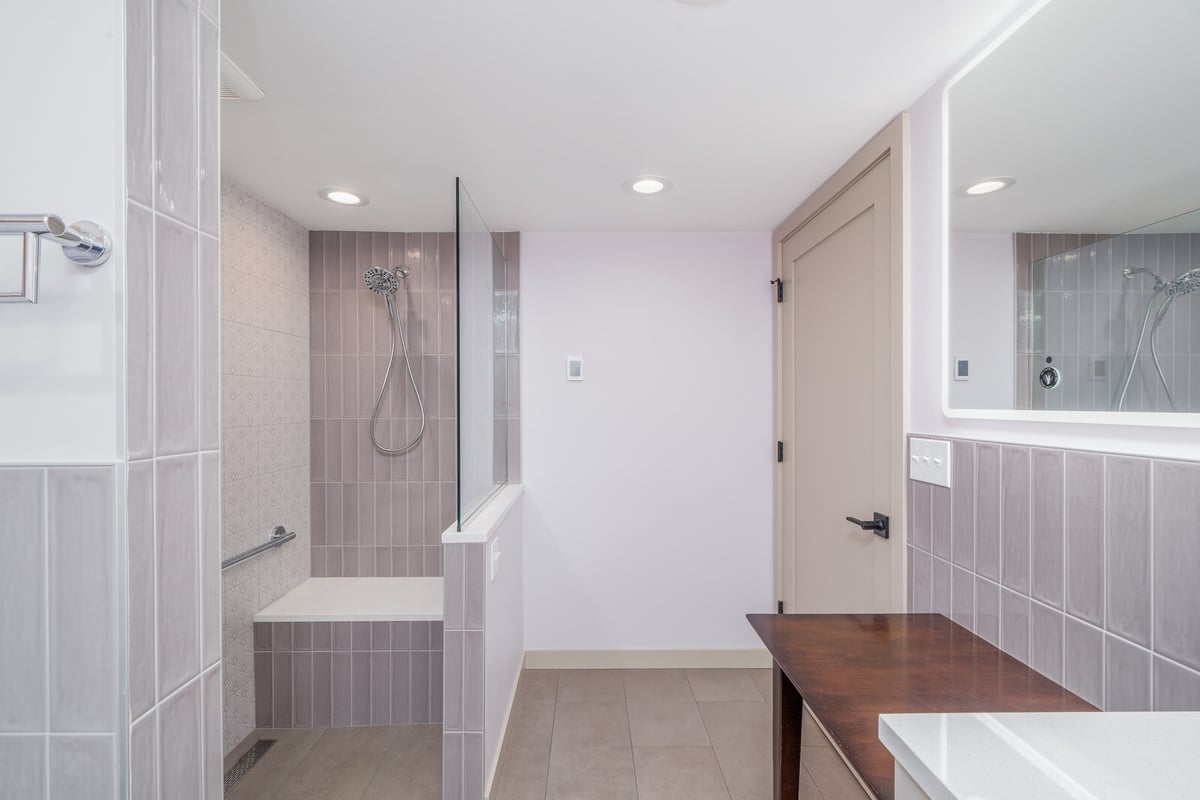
column 1075, row 307
column 265, row 445
column 343, row 674
column 376, row 514
column 173, row 401
column 1087, row 527
column 464, row 593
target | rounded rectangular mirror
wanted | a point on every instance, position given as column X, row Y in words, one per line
column 1072, row 195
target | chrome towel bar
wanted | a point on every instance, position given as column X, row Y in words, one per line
column 85, row 243
column 278, row 538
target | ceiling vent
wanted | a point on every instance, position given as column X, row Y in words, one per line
column 235, row 84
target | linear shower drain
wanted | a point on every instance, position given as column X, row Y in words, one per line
column 243, row 765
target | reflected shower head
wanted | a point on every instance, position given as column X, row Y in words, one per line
column 1129, row 272
column 382, row 282
column 1186, row 283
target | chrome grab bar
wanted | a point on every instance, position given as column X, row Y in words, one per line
column 278, row 538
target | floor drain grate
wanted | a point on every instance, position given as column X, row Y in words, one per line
column 243, row 765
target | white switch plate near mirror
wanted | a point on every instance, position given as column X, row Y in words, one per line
column 929, row 461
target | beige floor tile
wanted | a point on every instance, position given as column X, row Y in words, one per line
column 331, row 775
column 811, row 734
column 531, row 724
column 366, row 739
column 591, row 725
column 723, row 685
column 741, row 737
column 764, row 682
column 412, row 768
column 273, row 769
column 830, row 774
column 538, row 686
column 590, row 773
column 678, row 773
column 590, row 686
column 522, row 773
column 657, row 724
column 661, row 685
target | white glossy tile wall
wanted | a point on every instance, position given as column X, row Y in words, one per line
column 171, row 483
column 265, row 431
column 1110, row 611
column 58, row 699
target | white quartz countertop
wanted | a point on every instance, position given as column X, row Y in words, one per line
column 358, row 599
column 1048, row 756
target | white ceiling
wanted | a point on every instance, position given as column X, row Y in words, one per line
column 1092, row 107
column 545, row 107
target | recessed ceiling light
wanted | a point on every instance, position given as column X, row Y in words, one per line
column 647, row 184
column 343, row 197
column 989, row 185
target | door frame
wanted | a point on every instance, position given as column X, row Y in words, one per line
column 891, row 141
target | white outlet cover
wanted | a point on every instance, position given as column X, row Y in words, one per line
column 929, row 461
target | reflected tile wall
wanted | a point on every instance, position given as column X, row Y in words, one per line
column 171, row 483
column 1075, row 306
column 265, row 446
column 1138, row 651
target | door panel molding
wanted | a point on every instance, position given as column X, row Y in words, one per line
column 890, row 145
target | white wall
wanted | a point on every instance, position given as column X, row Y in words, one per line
column 925, row 359
column 648, row 515
column 504, row 632
column 983, row 318
column 59, row 358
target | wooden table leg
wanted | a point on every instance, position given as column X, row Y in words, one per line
column 786, row 712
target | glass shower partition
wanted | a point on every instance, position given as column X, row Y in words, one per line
column 482, row 385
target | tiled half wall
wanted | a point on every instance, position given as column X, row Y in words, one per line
column 376, row 515
column 342, row 674
column 1082, row 565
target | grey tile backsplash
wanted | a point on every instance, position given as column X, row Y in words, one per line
column 1084, row 567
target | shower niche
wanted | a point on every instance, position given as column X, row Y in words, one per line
column 1073, row 203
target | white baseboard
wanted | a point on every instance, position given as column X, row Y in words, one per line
column 490, row 777
column 741, row 658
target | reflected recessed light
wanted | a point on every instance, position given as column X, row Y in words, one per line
column 647, row 184
column 343, row 197
column 989, row 185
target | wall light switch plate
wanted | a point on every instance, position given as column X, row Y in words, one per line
column 929, row 461
column 574, row 368
column 494, row 558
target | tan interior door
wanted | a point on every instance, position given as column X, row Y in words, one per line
column 840, row 400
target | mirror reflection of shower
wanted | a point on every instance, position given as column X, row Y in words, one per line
column 1166, row 292
column 385, row 283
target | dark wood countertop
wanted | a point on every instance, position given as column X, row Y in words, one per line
column 850, row 668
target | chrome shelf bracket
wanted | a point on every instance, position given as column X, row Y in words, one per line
column 85, row 243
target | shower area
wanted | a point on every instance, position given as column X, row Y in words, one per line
column 1108, row 323
column 370, row 407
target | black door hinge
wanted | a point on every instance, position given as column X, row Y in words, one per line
column 779, row 452
column 779, row 607
column 778, row 289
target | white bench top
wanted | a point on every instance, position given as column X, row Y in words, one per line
column 358, row 599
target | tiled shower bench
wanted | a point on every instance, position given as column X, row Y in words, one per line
column 339, row 652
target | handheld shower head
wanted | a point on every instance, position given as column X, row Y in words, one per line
column 383, row 281
column 1186, row 283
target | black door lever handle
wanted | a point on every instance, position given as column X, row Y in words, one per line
column 878, row 525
